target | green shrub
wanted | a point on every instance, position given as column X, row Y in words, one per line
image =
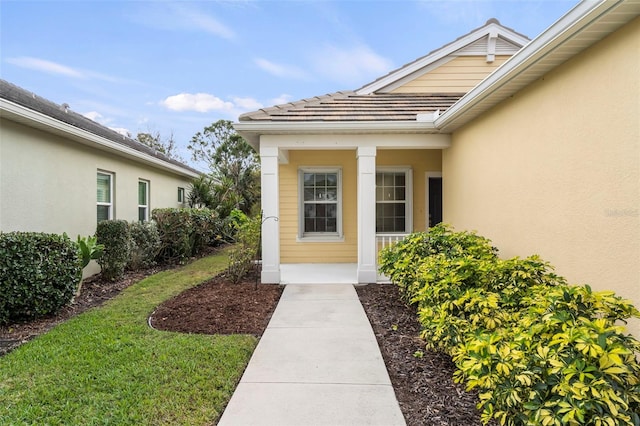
column 563, row 360
column 89, row 249
column 185, row 232
column 538, row 350
column 400, row 262
column 38, row 274
column 145, row 245
column 241, row 257
column 114, row 235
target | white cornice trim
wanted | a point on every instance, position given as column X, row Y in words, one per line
column 251, row 131
column 21, row 114
column 490, row 28
column 562, row 31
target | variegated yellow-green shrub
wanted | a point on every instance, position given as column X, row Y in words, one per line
column 538, row 350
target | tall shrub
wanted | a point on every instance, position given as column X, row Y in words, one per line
column 241, row 257
column 145, row 245
column 184, row 232
column 38, row 274
column 115, row 236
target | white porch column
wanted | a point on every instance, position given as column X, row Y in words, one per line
column 367, row 252
column 271, row 212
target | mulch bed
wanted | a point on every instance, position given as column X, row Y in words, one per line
column 422, row 379
column 219, row 307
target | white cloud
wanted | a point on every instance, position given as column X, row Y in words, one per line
column 99, row 118
column 51, row 67
column 248, row 104
column 280, row 70
column 180, row 16
column 93, row 115
column 122, row 131
column 200, row 102
column 350, row 65
column 282, row 99
column 45, row 66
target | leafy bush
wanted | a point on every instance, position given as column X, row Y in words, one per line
column 115, row 236
column 400, row 261
column 145, row 245
column 89, row 249
column 241, row 257
column 562, row 360
column 185, row 232
column 38, row 274
column 538, row 350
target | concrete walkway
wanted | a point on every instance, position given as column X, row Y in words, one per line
column 318, row 363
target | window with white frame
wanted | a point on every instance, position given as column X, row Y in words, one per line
column 320, row 203
column 105, row 196
column 393, row 200
column 143, row 200
column 181, row 198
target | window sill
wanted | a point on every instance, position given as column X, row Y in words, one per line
column 320, row 239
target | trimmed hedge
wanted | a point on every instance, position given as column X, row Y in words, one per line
column 115, row 236
column 185, row 232
column 540, row 351
column 144, row 245
column 38, row 274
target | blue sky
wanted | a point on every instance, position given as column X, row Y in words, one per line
column 178, row 66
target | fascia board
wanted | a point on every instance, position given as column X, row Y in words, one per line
column 41, row 121
column 251, row 131
column 440, row 54
column 538, row 49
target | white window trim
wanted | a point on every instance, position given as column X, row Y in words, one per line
column 428, row 175
column 181, row 195
column 319, row 236
column 111, row 194
column 408, row 173
column 146, row 206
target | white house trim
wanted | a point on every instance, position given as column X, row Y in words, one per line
column 367, row 253
column 491, row 26
column 271, row 211
column 572, row 33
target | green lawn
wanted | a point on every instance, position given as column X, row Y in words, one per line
column 107, row 366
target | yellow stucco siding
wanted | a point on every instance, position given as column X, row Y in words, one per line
column 420, row 161
column 48, row 184
column 555, row 169
column 296, row 250
column 456, row 76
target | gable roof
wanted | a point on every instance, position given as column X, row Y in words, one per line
column 584, row 25
column 489, row 39
column 22, row 106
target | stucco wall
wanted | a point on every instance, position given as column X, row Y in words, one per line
column 555, row 169
column 456, row 76
column 48, row 184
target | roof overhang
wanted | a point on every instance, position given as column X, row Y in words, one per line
column 20, row 114
column 251, row 131
column 584, row 25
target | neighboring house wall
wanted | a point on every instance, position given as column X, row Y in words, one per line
column 458, row 75
column 48, row 183
column 555, row 169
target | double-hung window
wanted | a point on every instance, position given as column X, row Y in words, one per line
column 320, row 203
column 393, row 200
column 105, row 196
column 143, row 200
